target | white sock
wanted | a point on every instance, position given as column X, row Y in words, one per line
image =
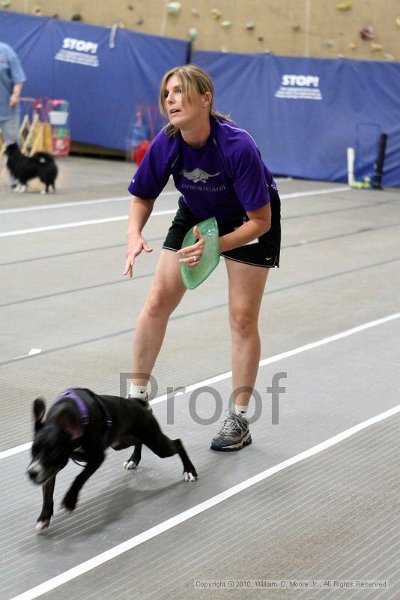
column 138, row 391
column 240, row 410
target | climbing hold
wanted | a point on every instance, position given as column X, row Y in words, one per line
column 296, row 27
column 139, row 21
column 5, row 3
column 344, row 6
column 388, row 56
column 226, row 24
column 367, row 33
column 192, row 33
column 260, row 38
column 250, row 25
column 174, row 8
column 328, row 43
column 376, row 47
column 195, row 12
column 352, row 46
column 216, row 14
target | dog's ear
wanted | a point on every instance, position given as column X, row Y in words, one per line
column 39, row 410
column 68, row 424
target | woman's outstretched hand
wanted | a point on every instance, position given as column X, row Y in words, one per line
column 133, row 251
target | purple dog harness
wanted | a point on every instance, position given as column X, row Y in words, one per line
column 71, row 394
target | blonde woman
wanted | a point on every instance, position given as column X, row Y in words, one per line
column 217, row 168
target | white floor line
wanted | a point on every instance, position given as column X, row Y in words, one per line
column 266, row 361
column 151, row 533
column 156, row 213
column 79, row 203
column 316, row 192
column 76, row 204
column 288, row 353
column 16, row 450
column 35, row 207
column 63, row 226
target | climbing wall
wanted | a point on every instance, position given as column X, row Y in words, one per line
column 360, row 29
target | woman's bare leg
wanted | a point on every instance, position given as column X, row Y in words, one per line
column 165, row 293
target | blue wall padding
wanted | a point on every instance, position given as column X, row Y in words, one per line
column 302, row 112
column 103, row 85
column 305, row 112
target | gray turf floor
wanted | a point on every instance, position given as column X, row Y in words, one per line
column 67, row 317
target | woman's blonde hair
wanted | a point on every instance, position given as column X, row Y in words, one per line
column 193, row 79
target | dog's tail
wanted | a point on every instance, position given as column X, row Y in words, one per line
column 43, row 158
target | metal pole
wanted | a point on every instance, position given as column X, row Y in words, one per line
column 377, row 181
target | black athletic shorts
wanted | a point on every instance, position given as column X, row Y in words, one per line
column 263, row 252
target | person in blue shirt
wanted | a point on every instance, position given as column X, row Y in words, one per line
column 12, row 78
column 217, row 168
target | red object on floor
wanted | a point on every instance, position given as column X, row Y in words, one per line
column 140, row 151
column 61, row 145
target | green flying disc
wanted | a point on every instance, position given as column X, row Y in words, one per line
column 194, row 276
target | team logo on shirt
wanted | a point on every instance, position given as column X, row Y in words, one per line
column 198, row 175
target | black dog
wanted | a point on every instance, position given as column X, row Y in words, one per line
column 81, row 425
column 23, row 168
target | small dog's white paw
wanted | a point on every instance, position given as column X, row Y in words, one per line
column 130, row 464
column 41, row 526
column 187, row 476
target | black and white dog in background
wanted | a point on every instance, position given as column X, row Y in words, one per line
column 24, row 168
column 81, row 425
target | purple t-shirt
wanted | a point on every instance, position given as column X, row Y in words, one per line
column 224, row 178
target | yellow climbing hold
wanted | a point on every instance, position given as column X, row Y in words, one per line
column 344, row 6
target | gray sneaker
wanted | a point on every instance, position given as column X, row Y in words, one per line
column 233, row 435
